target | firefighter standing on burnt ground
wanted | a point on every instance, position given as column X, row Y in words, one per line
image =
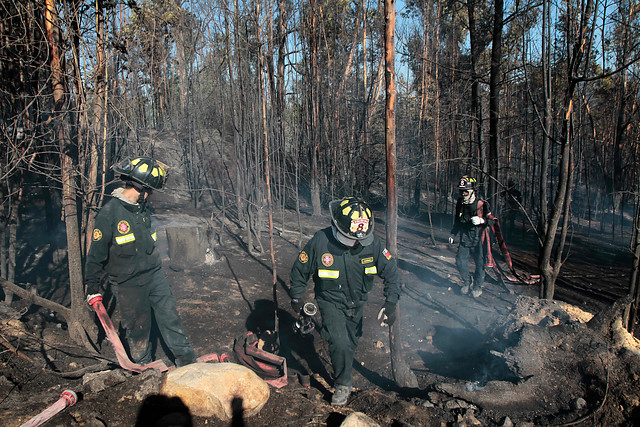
column 343, row 260
column 468, row 227
column 124, row 248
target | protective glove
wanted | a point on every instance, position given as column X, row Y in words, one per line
column 387, row 314
column 92, row 296
column 297, row 305
column 451, row 237
column 476, row 220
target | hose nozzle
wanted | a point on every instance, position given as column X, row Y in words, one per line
column 305, row 322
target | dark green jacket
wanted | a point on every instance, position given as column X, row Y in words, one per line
column 123, row 245
column 470, row 235
column 343, row 275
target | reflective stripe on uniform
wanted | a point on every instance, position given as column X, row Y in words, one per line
column 121, row 240
column 328, row 274
column 154, row 236
column 371, row 270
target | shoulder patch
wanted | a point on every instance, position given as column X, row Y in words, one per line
column 386, row 253
column 303, row 257
column 327, row 260
column 366, row 260
column 123, row 227
column 97, row 234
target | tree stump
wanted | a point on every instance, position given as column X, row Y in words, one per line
column 187, row 247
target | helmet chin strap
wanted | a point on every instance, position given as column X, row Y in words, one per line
column 342, row 238
column 142, row 193
column 141, row 198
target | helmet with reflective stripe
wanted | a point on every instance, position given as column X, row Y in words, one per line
column 143, row 170
column 353, row 219
column 467, row 183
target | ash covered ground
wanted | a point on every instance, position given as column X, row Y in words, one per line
column 506, row 357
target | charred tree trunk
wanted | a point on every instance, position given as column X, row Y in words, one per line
column 315, row 112
column 8, row 240
column 547, row 116
column 476, row 104
column 402, row 375
column 267, row 171
column 631, row 312
column 279, row 95
column 79, row 318
column 562, row 197
column 32, row 297
column 494, row 100
column 94, row 191
column 390, row 126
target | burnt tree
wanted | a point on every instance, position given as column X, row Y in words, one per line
column 403, row 376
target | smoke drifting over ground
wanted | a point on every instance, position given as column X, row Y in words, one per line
column 505, row 354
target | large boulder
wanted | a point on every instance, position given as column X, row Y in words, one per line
column 223, row 390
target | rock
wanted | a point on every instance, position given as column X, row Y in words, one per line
column 4, row 382
column 464, row 421
column 86, row 419
column 579, row 404
column 98, row 381
column 452, row 404
column 436, row 397
column 149, row 383
column 216, row 389
column 467, row 420
column 623, row 339
column 507, row 422
column 358, row 419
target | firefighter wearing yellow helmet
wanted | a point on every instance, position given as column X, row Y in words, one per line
column 472, row 216
column 343, row 260
column 123, row 248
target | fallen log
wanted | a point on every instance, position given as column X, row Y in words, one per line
column 77, row 329
column 32, row 296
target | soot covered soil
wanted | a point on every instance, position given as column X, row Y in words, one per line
column 506, row 357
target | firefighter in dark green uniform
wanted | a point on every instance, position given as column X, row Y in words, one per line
column 343, row 260
column 124, row 248
column 469, row 224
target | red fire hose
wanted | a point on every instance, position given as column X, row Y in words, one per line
column 121, row 353
column 114, row 339
column 67, row 398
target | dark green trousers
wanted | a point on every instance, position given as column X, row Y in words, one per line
column 462, row 260
column 138, row 300
column 342, row 329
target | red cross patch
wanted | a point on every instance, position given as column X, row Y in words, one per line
column 123, row 227
column 327, row 260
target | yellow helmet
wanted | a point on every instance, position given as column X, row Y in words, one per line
column 353, row 219
column 143, row 170
column 467, row 183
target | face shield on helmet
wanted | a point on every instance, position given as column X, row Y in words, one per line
column 144, row 171
column 353, row 221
